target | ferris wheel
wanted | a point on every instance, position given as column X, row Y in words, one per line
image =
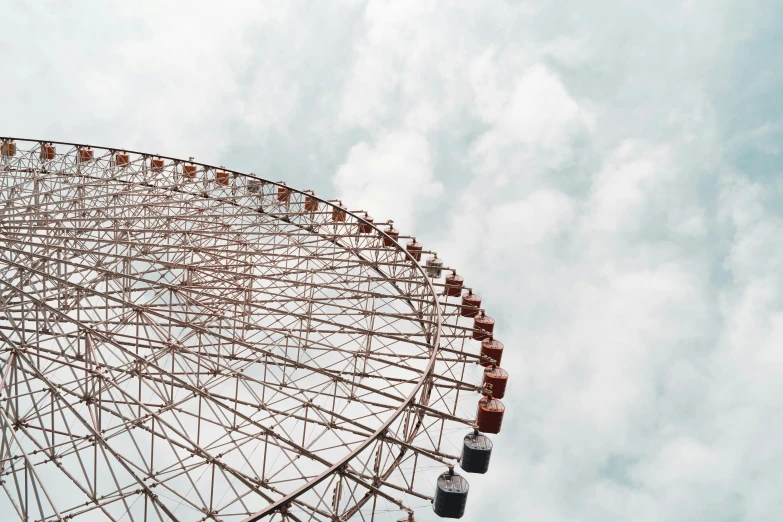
column 180, row 341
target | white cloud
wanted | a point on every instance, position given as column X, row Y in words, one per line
column 383, row 65
column 622, row 189
column 152, row 76
column 533, row 122
column 540, row 216
column 392, row 177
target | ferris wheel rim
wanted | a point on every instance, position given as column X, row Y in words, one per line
column 426, row 372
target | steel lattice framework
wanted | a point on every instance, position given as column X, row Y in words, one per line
column 183, row 342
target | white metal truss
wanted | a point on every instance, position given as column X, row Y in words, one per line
column 183, row 342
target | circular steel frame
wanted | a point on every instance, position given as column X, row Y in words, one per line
column 422, row 388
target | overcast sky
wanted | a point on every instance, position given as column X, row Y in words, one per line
column 606, row 174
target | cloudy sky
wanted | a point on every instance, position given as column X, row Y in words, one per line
column 606, row 174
